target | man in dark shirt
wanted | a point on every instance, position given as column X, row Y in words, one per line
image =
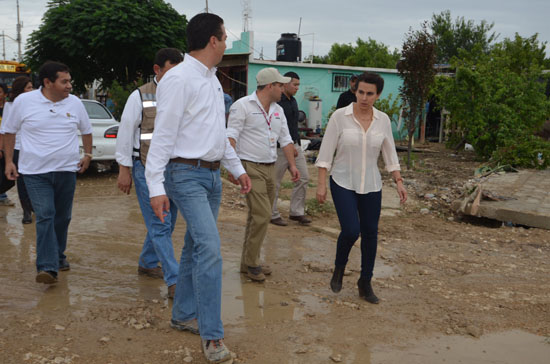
column 348, row 97
column 298, row 197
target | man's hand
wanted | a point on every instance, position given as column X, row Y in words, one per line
column 246, row 184
column 161, row 206
column 294, row 173
column 11, row 171
column 124, row 180
column 84, row 164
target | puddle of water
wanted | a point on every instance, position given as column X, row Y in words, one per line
column 246, row 301
column 509, row 347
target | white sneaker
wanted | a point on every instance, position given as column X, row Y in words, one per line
column 215, row 351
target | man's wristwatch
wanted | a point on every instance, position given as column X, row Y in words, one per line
column 89, row 155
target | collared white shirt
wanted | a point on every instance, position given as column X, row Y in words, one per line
column 48, row 131
column 257, row 131
column 190, row 122
column 7, row 107
column 128, row 137
column 354, row 166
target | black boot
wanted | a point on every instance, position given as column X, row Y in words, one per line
column 336, row 281
column 27, row 217
column 365, row 291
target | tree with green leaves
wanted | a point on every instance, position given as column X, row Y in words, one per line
column 364, row 54
column 417, row 71
column 451, row 36
column 106, row 40
column 498, row 100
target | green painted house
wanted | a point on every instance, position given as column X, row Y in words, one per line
column 320, row 84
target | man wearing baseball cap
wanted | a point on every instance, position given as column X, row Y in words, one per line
column 256, row 123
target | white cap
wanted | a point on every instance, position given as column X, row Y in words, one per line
column 270, row 75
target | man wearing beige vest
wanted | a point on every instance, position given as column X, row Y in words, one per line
column 133, row 139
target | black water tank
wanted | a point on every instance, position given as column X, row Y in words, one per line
column 289, row 48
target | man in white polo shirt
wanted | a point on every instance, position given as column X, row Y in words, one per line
column 256, row 123
column 48, row 120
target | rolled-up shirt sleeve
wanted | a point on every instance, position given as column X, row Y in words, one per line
column 171, row 101
column 328, row 145
column 131, row 117
column 389, row 153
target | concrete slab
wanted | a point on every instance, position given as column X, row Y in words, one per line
column 524, row 198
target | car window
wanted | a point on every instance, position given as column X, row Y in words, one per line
column 96, row 111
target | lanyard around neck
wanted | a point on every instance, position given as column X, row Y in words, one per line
column 268, row 121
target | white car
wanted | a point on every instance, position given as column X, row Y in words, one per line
column 105, row 130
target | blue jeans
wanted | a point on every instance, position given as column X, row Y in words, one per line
column 358, row 214
column 51, row 196
column 158, row 241
column 197, row 192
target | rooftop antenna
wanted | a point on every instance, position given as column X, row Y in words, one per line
column 247, row 15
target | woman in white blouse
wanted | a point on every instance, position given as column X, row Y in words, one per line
column 351, row 145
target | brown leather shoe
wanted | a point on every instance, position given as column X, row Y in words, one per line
column 151, row 272
column 302, row 220
column 279, row 222
column 255, row 273
column 172, row 291
column 266, row 269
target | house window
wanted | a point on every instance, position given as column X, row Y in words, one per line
column 340, row 81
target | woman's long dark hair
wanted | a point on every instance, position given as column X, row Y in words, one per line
column 18, row 87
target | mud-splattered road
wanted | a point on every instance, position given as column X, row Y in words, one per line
column 451, row 291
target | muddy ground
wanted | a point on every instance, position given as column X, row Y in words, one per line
column 452, row 289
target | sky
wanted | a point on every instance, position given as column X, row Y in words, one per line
column 325, row 22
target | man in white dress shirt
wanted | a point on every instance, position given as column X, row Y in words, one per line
column 256, row 123
column 183, row 164
column 136, row 125
column 48, row 120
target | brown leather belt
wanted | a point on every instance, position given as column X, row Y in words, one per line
column 260, row 163
column 197, row 163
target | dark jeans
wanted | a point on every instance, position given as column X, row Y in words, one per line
column 21, row 189
column 358, row 215
column 52, row 198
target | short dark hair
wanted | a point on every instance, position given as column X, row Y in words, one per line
column 4, row 88
column 171, row 55
column 373, row 78
column 18, row 86
column 201, row 28
column 50, row 69
column 292, row 75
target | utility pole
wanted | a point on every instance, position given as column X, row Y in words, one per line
column 19, row 26
column 3, row 45
column 207, row 6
